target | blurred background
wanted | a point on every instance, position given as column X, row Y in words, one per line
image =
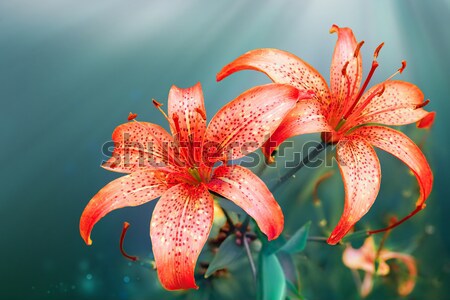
column 71, row 71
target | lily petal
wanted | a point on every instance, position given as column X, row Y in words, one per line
column 244, row 124
column 305, row 117
column 179, row 228
column 138, row 145
column 281, row 67
column 366, row 285
column 343, row 89
column 189, row 108
column 396, row 106
column 364, row 257
column 427, row 121
column 131, row 190
column 399, row 145
column 360, row 170
column 246, row 190
column 407, row 285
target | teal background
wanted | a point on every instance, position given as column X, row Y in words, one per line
column 70, row 71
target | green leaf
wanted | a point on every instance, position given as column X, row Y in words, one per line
column 271, row 279
column 228, row 253
column 297, row 242
column 358, row 235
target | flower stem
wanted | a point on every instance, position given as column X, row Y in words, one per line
column 317, row 239
column 250, row 257
column 306, row 160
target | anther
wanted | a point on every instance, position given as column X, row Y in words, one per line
column 358, row 47
column 176, row 121
column 131, row 116
column 201, row 113
column 403, row 67
column 126, row 225
column 344, row 69
column 425, row 103
column 156, row 103
column 383, row 88
column 377, row 51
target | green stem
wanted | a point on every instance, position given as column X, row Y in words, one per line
column 250, row 257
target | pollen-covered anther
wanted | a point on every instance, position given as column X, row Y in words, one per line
column 358, row 48
column 425, row 103
column 381, row 91
column 403, row 67
column 156, row 103
column 344, row 69
column 176, row 121
column 377, row 51
column 201, row 113
column 131, row 116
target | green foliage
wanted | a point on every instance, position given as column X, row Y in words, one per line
column 228, row 252
column 297, row 242
column 271, row 279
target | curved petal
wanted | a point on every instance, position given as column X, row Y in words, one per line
column 188, row 104
column 396, row 106
column 246, row 190
column 244, row 124
column 305, row 117
column 344, row 88
column 281, row 67
column 366, row 285
column 364, row 258
column 408, row 284
column 360, row 170
column 139, row 145
column 130, row 190
column 427, row 121
column 179, row 228
column 399, row 145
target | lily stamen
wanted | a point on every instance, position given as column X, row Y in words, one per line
column 366, row 82
column 425, row 103
column 126, row 225
column 399, row 71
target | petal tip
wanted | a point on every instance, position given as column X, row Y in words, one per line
column 427, row 121
column 334, row 28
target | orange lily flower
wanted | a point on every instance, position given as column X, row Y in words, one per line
column 178, row 167
column 349, row 117
column 364, row 259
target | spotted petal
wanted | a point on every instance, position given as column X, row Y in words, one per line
column 399, row 145
column 244, row 124
column 187, row 109
column 360, row 170
column 407, row 285
column 396, row 106
column 139, row 145
column 345, row 89
column 131, row 190
column 306, row 117
column 179, row 228
column 281, row 67
column 246, row 190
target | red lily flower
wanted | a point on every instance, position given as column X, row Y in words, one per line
column 179, row 168
column 365, row 258
column 348, row 116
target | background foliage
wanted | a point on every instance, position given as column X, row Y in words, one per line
column 70, row 71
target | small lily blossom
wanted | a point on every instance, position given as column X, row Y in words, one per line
column 349, row 116
column 365, row 258
column 178, row 167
